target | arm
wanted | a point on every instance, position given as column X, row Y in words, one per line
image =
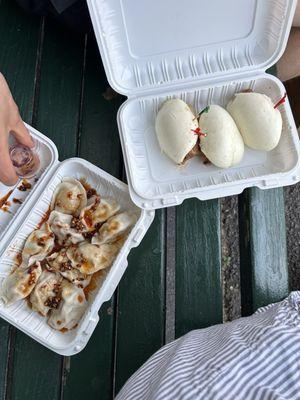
column 10, row 121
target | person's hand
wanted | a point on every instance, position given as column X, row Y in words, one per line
column 10, row 121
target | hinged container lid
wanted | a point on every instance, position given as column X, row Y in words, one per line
column 151, row 45
column 20, row 201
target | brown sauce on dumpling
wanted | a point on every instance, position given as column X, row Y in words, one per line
column 44, row 218
column 93, row 283
column 90, row 192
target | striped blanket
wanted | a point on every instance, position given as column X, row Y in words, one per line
column 255, row 358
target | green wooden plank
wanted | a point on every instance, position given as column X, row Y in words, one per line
column 18, row 47
column 58, row 104
column 90, row 373
column 264, row 274
column 99, row 139
column 140, row 320
column 198, row 265
column 19, row 35
column 36, row 370
column 4, row 351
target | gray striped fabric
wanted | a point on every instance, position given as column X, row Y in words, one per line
column 257, row 358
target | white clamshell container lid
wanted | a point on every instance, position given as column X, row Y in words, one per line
column 202, row 52
column 155, row 45
column 11, row 215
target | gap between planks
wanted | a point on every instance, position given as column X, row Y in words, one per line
column 230, row 258
column 170, row 267
column 37, row 74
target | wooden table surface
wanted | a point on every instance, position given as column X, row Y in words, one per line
column 57, row 80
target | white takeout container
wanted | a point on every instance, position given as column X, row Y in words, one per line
column 202, row 52
column 16, row 226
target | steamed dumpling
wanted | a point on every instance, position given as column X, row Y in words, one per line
column 89, row 258
column 258, row 121
column 69, row 197
column 45, row 296
column 61, row 226
column 71, row 308
column 38, row 244
column 115, row 227
column 174, row 127
column 20, row 283
column 223, row 144
column 97, row 212
column 60, row 263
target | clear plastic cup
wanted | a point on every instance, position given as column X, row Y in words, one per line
column 25, row 160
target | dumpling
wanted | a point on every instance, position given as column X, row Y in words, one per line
column 60, row 263
column 69, row 197
column 89, row 258
column 20, row 283
column 46, row 294
column 38, row 244
column 222, row 144
column 98, row 211
column 61, row 226
column 76, row 277
column 71, row 308
column 259, row 122
column 176, row 128
column 115, row 227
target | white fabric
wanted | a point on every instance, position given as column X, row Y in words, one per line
column 253, row 358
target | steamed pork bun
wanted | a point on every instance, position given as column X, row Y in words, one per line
column 174, row 127
column 220, row 139
column 258, row 121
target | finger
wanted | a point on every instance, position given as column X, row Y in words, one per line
column 21, row 134
column 7, row 172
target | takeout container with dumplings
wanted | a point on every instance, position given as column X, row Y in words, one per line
column 203, row 53
column 21, row 219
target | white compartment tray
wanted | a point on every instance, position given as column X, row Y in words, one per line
column 156, row 182
column 19, row 314
column 202, row 52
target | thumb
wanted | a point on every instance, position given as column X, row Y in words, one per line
column 7, row 172
column 21, row 134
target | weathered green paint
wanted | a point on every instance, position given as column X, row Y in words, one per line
column 264, row 274
column 18, row 44
column 19, row 35
column 90, row 374
column 99, row 137
column 4, row 350
column 58, row 102
column 140, row 320
column 36, row 370
column 198, row 265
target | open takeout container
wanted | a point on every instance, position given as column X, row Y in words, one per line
column 203, row 53
column 18, row 221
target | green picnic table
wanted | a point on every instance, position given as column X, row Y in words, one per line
column 175, row 275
